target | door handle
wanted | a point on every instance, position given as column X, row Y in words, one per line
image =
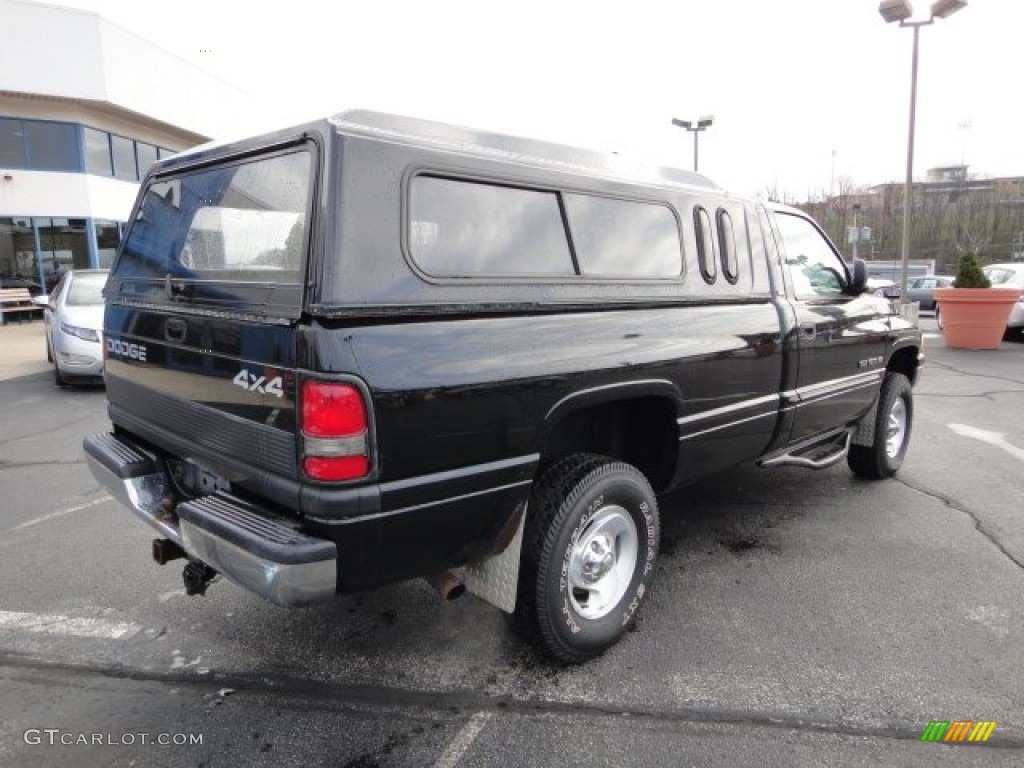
column 175, row 329
column 808, row 330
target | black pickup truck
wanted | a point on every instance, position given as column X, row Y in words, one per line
column 372, row 348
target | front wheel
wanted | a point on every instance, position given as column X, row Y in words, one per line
column 893, row 420
column 589, row 548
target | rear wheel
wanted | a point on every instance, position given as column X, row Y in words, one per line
column 589, row 548
column 893, row 421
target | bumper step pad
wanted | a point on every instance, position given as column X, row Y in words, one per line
column 258, row 550
column 244, row 525
column 118, row 457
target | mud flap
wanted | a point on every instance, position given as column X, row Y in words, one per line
column 496, row 579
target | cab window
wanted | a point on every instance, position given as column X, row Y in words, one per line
column 815, row 269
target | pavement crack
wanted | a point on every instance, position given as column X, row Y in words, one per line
column 4, row 464
column 311, row 694
column 954, row 369
column 987, row 395
column 979, row 526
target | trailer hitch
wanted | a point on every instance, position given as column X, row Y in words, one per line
column 197, row 577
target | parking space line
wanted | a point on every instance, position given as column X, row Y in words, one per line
column 992, row 438
column 463, row 740
column 67, row 625
column 59, row 513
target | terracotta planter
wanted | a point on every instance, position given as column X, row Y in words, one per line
column 975, row 318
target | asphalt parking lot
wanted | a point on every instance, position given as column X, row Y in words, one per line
column 798, row 618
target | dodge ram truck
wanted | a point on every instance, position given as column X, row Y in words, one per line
column 373, row 348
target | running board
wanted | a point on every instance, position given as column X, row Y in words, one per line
column 819, row 452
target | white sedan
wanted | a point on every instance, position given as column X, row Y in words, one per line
column 74, row 325
column 1010, row 276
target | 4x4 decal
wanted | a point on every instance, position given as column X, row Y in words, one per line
column 261, row 384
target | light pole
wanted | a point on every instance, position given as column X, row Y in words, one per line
column 695, row 127
column 901, row 11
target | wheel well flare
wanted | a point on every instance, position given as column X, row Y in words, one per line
column 639, row 431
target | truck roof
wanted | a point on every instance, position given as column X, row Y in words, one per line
column 471, row 142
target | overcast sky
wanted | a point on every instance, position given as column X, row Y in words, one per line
column 804, row 93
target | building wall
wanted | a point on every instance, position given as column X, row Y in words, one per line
column 65, row 193
column 68, row 53
column 99, row 116
column 77, row 68
column 57, row 193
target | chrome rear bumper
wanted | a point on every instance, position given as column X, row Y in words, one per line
column 253, row 547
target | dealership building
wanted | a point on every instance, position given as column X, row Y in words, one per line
column 85, row 108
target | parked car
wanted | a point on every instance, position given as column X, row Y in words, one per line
column 74, row 325
column 1010, row 276
column 882, row 288
column 921, row 289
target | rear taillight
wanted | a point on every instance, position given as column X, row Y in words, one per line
column 334, row 431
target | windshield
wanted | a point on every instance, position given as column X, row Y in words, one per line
column 1000, row 275
column 223, row 231
column 87, row 289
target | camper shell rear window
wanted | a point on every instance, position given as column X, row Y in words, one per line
column 231, row 235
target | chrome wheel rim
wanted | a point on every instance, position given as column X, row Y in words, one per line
column 602, row 562
column 896, row 428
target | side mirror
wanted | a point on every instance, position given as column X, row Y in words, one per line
column 859, row 277
column 42, row 300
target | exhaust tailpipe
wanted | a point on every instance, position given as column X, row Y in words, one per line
column 446, row 585
column 165, row 550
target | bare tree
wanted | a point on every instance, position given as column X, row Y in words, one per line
column 771, row 192
column 975, row 222
column 985, row 217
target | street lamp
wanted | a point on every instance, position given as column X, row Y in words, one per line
column 901, row 11
column 701, row 124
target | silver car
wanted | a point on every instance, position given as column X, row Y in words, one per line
column 921, row 289
column 1010, row 276
column 74, row 325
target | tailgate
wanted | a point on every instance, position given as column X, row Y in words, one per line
column 221, row 392
column 202, row 306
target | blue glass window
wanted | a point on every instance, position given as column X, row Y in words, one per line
column 97, row 153
column 124, row 158
column 52, row 146
column 12, row 144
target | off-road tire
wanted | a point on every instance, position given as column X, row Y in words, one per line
column 895, row 412
column 568, row 503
